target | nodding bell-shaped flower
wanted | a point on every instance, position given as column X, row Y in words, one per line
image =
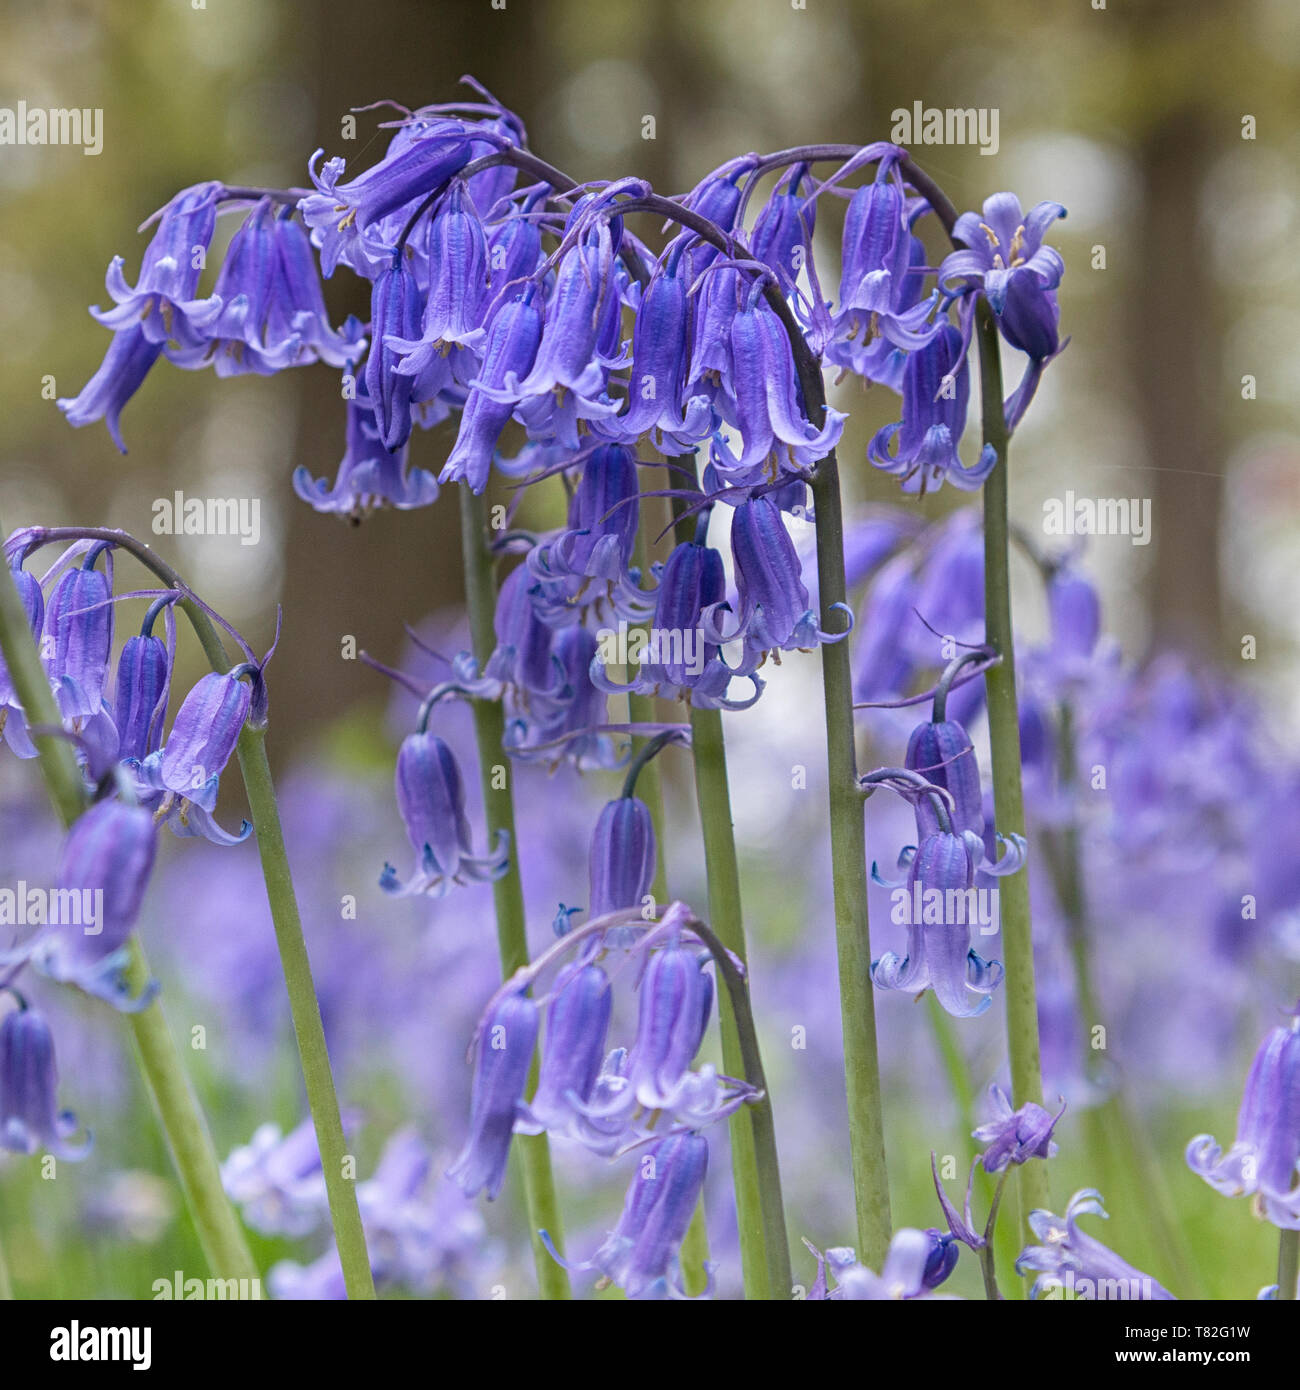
column 640, row 1255
column 573, row 1045
column 203, row 736
column 939, row 907
column 30, row 1119
column 431, row 799
column 942, row 752
column 1071, row 1259
column 774, row 610
column 273, row 313
column 144, row 672
column 396, row 306
column 504, row 1045
column 523, row 657
column 344, row 216
column 767, row 407
column 162, row 303
column 77, row 638
column 1015, row 1136
column 936, row 386
column 783, row 230
column 603, row 514
column 1265, row 1159
column 509, row 351
column 916, row 1262
column 676, row 1000
column 103, row 873
column 622, row 861
column 370, row 475
column 129, row 359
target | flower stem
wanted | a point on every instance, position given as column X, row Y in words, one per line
column 849, row 877
column 305, row 1009
column 988, row 1260
column 508, row 893
column 220, row 1233
column 1004, row 734
column 1288, row 1264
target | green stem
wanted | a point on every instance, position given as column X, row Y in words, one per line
column 1018, row 988
column 988, row 1261
column 756, row 1175
column 1288, row 1264
column 849, row 877
column 6, row 1284
column 508, row 893
column 219, row 1231
column 305, row 1010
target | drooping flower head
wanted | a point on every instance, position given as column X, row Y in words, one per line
column 30, row 1119
column 1070, row 1259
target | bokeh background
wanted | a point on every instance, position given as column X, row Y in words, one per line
column 1182, row 282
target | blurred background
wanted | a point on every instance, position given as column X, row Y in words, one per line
column 1181, row 384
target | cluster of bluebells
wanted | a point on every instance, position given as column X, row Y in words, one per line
column 138, row 771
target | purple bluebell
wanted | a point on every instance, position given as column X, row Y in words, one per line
column 1074, row 612
column 203, row 736
column 510, row 349
column 622, row 863
column 349, row 219
column 77, row 637
column 504, row 1043
column 774, row 612
column 431, row 798
column 273, row 313
column 936, row 385
column 783, row 230
column 1264, row 1161
column 30, row 1120
column 276, row 1180
column 676, row 997
column 943, row 753
column 766, row 407
column 369, row 474
column 571, row 712
column 1071, row 1261
column 162, row 303
column 396, row 305
column 937, row 903
column 105, row 867
column 523, row 657
column 143, row 680
column 573, row 1044
column 640, row 1254
column 129, row 359
column 602, row 523
column 913, row 1261
column 1015, row 1136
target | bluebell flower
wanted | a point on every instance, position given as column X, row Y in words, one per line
column 276, row 1180
column 513, row 334
column 1015, row 1136
column 396, row 305
column 573, row 1044
column 369, row 475
column 30, row 1119
column 32, row 597
column 773, row 612
column 77, row 638
column 765, row 405
column 162, row 303
column 942, row 751
column 349, row 220
column 937, row 910
column 272, row 313
column 640, row 1255
column 107, row 861
column 602, row 525
column 562, row 724
column 912, row 1264
column 783, row 230
column 431, row 799
column 143, row 681
column 203, row 736
column 522, row 658
column 622, row 860
column 676, row 998
column 127, row 362
column 1264, row 1161
column 504, row 1044
column 936, row 385
column 1072, row 1261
